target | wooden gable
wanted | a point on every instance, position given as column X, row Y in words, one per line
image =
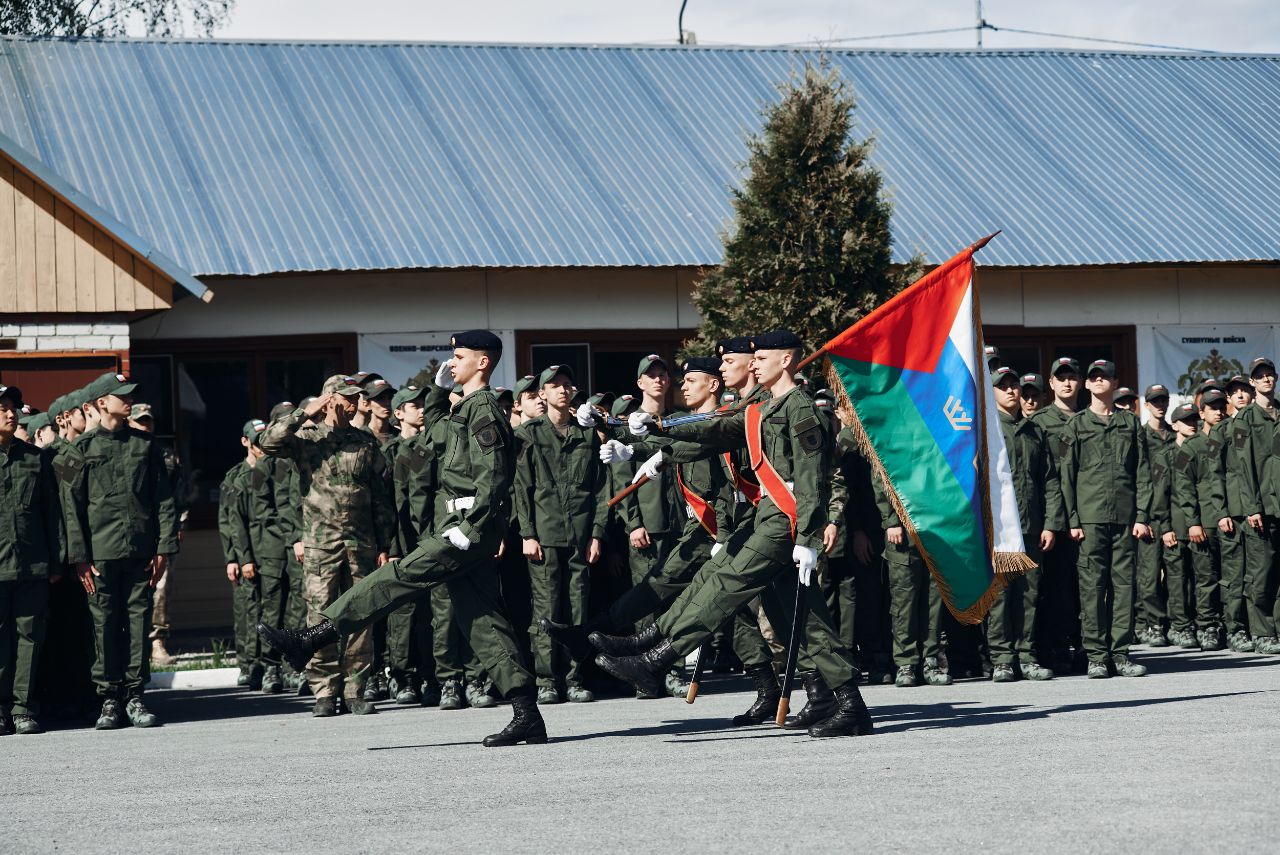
column 55, row 259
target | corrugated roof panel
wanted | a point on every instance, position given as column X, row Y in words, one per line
column 242, row 158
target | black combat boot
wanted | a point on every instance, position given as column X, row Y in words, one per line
column 526, row 724
column 647, row 671
column 626, row 645
column 850, row 718
column 573, row 638
column 767, row 697
column 297, row 646
column 820, row 703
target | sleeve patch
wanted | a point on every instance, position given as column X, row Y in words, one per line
column 486, row 432
column 1182, row 462
column 809, row 432
column 1060, row 445
column 1239, row 435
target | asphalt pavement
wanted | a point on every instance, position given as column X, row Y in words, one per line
column 1184, row 760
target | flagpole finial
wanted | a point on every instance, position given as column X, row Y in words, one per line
column 986, row 240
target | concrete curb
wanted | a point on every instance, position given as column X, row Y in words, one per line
column 205, row 678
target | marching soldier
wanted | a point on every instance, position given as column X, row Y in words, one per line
column 1106, row 489
column 132, row 529
column 561, row 512
column 348, row 523
column 790, row 447
column 32, row 545
column 475, row 484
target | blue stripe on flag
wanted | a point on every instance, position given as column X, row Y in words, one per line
column 932, row 392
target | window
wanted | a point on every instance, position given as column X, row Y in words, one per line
column 603, row 360
column 204, row 390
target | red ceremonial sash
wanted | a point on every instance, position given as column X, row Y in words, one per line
column 701, row 508
column 750, row 489
column 769, row 478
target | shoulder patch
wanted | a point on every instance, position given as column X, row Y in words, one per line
column 1182, row 460
column 1060, row 445
column 1239, row 433
column 485, row 430
column 809, row 432
column 1212, row 445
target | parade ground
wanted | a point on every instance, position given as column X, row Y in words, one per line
column 1183, row 759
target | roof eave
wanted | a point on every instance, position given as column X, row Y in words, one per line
column 90, row 209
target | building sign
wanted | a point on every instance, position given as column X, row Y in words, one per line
column 1186, row 356
column 401, row 356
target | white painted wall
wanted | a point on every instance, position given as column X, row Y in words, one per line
column 510, row 300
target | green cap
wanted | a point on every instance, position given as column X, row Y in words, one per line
column 601, row 399
column 504, row 392
column 280, row 409
column 551, row 371
column 1185, row 413
column 524, row 384
column 1106, row 366
column 141, row 411
column 648, row 362
column 1154, row 391
column 252, row 428
column 110, row 384
column 38, row 421
column 75, row 399
column 1001, row 373
column 341, row 384
column 1034, row 380
column 407, row 393
column 1064, row 363
column 1124, row 393
column 1212, row 396
column 1238, row 380
column 624, row 405
column 375, row 386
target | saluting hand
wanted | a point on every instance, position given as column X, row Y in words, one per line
column 317, row 406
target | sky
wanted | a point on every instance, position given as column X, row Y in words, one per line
column 1244, row 26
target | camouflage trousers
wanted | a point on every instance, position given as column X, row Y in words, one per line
column 330, row 571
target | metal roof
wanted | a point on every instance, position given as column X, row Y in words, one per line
column 88, row 208
column 252, row 158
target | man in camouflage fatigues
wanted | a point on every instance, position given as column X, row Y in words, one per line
column 348, row 524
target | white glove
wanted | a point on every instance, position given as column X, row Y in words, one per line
column 444, row 374
column 586, row 416
column 458, row 539
column 806, row 559
column 638, row 423
column 613, row 451
column 715, row 548
column 650, row 468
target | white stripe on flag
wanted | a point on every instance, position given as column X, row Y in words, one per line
column 1005, row 520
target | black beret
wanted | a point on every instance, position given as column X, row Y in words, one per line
column 777, row 340
column 741, row 344
column 476, row 340
column 704, row 364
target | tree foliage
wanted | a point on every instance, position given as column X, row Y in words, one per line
column 809, row 248
column 96, row 18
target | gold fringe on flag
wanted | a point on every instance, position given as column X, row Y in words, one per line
column 1006, row 564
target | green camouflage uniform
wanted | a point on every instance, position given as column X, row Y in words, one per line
column 560, row 501
column 32, row 547
column 1106, row 490
column 476, row 468
column 130, row 517
column 347, row 519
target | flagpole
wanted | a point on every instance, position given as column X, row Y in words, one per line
column 977, row 245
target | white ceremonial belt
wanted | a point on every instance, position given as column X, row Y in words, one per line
column 462, row 503
column 791, row 485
